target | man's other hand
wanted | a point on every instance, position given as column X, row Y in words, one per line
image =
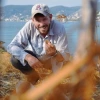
column 33, row 61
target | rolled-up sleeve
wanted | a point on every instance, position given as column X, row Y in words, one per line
column 18, row 44
column 62, row 44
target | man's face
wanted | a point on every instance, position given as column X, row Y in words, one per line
column 42, row 23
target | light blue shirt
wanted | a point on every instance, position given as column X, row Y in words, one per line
column 30, row 38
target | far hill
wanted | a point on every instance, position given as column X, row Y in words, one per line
column 24, row 10
column 8, row 11
column 64, row 10
column 98, row 6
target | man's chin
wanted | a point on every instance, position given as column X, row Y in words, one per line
column 43, row 32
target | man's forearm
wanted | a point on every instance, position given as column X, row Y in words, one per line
column 59, row 57
column 62, row 57
column 27, row 56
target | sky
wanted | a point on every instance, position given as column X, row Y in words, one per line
column 50, row 3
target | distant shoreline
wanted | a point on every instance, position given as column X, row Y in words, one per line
column 60, row 21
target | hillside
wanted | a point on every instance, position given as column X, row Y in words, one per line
column 21, row 12
column 10, row 10
column 64, row 10
column 98, row 6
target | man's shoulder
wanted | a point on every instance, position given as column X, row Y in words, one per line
column 57, row 24
column 28, row 23
column 57, row 27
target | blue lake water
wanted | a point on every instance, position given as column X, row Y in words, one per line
column 10, row 29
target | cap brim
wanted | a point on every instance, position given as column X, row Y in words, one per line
column 35, row 12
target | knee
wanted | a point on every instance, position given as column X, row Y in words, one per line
column 14, row 60
column 17, row 64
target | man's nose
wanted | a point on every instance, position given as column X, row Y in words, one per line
column 41, row 24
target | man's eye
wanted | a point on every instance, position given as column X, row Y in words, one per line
column 45, row 18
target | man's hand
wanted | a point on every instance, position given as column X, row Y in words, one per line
column 49, row 48
column 51, row 51
column 33, row 61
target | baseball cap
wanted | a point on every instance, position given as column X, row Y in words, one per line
column 40, row 8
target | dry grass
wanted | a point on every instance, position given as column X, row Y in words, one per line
column 9, row 77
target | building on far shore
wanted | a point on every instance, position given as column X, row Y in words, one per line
column 61, row 17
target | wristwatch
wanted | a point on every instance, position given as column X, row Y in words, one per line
column 55, row 54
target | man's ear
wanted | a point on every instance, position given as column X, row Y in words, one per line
column 32, row 19
column 50, row 16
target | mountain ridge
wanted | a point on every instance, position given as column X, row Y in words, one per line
column 23, row 12
column 9, row 10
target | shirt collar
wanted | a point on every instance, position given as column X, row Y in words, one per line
column 50, row 32
column 37, row 32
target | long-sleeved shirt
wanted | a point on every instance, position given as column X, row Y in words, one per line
column 30, row 38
